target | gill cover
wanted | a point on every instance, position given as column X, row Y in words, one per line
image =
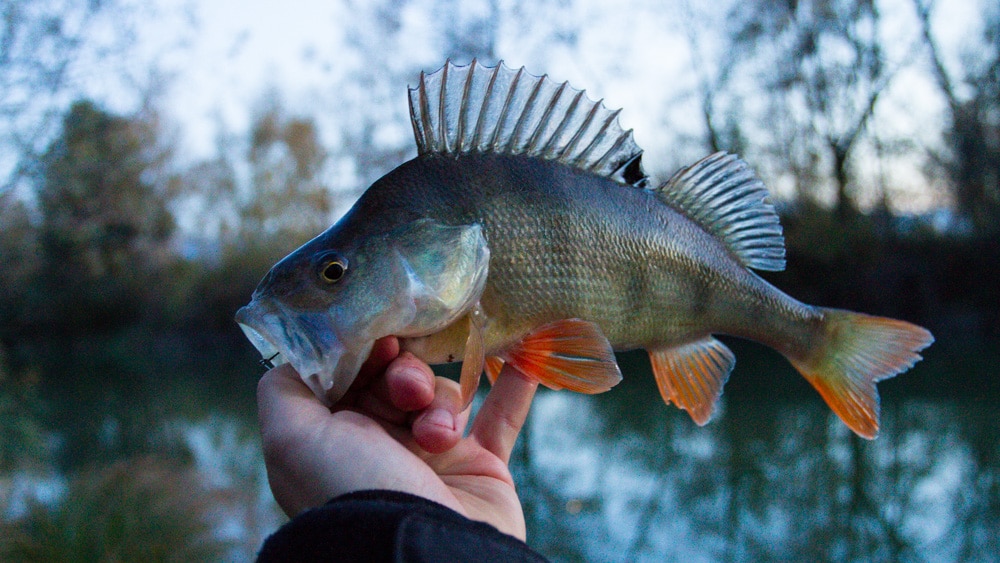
column 445, row 269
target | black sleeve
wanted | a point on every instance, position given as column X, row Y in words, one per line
column 390, row 526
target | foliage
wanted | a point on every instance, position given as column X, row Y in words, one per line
column 104, row 224
column 21, row 433
column 287, row 196
column 144, row 509
column 19, row 249
column 251, row 204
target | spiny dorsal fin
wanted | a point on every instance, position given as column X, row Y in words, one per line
column 722, row 194
column 479, row 109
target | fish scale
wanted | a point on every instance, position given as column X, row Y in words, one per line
column 525, row 232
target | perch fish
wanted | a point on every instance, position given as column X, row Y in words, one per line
column 525, row 231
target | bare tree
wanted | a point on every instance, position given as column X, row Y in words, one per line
column 973, row 138
column 474, row 34
column 826, row 73
column 41, row 44
column 714, row 71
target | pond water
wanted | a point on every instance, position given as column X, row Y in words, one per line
column 615, row 477
column 780, row 481
column 775, row 476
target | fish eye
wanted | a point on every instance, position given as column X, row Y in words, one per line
column 332, row 268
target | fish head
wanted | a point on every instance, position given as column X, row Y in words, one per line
column 322, row 307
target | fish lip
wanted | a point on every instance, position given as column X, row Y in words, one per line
column 271, row 356
column 306, row 340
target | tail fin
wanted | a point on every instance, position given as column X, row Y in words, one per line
column 858, row 350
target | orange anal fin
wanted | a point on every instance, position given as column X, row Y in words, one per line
column 472, row 363
column 691, row 375
column 567, row 354
column 858, row 350
column 493, row 366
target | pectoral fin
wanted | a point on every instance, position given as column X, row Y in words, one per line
column 692, row 375
column 567, row 354
column 472, row 361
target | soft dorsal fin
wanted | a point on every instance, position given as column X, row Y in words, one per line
column 722, row 194
column 479, row 109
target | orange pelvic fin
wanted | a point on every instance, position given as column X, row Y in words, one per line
column 493, row 366
column 568, row 354
column 859, row 350
column 692, row 375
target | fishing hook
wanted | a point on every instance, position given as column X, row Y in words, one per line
column 266, row 362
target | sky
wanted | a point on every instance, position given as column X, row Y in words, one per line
column 220, row 57
column 227, row 53
column 237, row 51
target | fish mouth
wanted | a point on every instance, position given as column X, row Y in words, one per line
column 309, row 341
column 271, row 356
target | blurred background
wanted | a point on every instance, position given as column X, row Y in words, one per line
column 156, row 158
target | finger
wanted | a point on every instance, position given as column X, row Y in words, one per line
column 384, row 351
column 408, row 384
column 502, row 415
column 312, row 454
column 439, row 427
column 283, row 399
column 281, row 390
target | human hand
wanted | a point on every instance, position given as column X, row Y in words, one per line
column 398, row 428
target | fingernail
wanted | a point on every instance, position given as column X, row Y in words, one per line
column 440, row 417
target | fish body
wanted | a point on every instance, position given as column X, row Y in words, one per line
column 525, row 232
column 567, row 244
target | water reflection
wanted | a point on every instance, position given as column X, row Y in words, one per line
column 766, row 481
column 613, row 477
